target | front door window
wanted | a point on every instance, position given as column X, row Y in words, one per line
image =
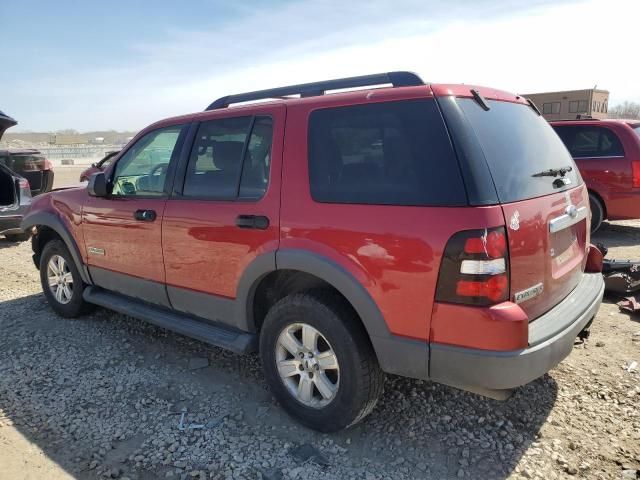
column 142, row 171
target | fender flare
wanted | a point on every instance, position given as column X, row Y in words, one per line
column 313, row 264
column 54, row 222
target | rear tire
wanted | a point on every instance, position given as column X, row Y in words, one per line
column 61, row 281
column 597, row 212
column 332, row 357
column 18, row 237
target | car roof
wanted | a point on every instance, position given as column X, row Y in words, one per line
column 597, row 121
column 355, row 96
column 18, row 151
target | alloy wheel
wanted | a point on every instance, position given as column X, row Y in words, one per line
column 60, row 279
column 307, row 365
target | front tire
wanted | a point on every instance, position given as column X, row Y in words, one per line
column 319, row 362
column 61, row 281
column 597, row 212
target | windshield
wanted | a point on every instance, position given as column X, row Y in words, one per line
column 637, row 130
column 518, row 145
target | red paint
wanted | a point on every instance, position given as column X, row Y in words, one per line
column 395, row 252
column 131, row 247
column 204, row 250
column 612, row 178
column 501, row 327
column 530, row 248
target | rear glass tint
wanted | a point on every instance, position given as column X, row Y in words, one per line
column 392, row 153
column 518, row 143
column 589, row 141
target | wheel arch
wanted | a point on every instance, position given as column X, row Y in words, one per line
column 395, row 354
column 310, row 265
column 599, row 197
column 54, row 224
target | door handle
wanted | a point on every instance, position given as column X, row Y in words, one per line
column 145, row 215
column 259, row 222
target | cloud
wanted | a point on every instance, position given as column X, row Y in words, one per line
column 542, row 46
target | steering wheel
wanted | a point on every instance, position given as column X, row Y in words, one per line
column 160, row 169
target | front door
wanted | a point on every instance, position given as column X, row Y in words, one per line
column 226, row 213
column 122, row 231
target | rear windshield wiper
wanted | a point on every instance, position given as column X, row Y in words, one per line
column 554, row 172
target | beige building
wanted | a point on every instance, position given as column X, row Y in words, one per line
column 568, row 105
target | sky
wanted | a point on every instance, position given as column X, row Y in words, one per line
column 122, row 65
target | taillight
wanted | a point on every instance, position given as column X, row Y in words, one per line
column 47, row 164
column 24, row 184
column 635, row 168
column 475, row 268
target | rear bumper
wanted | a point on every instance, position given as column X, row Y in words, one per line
column 10, row 224
column 551, row 339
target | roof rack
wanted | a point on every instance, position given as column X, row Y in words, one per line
column 397, row 79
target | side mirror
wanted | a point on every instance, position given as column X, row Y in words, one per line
column 97, row 185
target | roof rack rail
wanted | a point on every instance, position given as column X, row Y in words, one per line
column 397, row 79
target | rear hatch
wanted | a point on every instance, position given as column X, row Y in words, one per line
column 543, row 198
column 5, row 122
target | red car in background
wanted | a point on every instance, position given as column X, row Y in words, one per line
column 607, row 153
column 98, row 166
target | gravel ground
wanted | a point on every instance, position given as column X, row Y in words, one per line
column 103, row 397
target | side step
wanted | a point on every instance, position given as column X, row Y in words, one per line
column 220, row 336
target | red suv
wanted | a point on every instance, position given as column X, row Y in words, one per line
column 432, row 231
column 608, row 155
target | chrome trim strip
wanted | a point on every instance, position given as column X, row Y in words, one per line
column 565, row 220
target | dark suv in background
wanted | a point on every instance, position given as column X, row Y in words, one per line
column 607, row 153
column 30, row 164
column 433, row 231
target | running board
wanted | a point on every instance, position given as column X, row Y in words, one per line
column 219, row 336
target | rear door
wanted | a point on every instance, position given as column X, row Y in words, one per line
column 225, row 212
column 544, row 201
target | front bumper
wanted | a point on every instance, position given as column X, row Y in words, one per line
column 551, row 339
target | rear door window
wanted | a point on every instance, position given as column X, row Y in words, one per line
column 517, row 144
column 590, row 142
column 392, row 153
column 230, row 159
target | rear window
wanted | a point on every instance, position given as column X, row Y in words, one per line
column 517, row 144
column 590, row 141
column 392, row 153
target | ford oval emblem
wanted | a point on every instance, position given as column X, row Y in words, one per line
column 515, row 221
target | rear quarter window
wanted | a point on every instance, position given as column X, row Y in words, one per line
column 391, row 153
column 590, row 141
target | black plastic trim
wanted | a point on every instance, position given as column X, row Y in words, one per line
column 217, row 335
column 205, row 305
column 140, row 288
column 477, row 178
column 397, row 79
column 50, row 220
